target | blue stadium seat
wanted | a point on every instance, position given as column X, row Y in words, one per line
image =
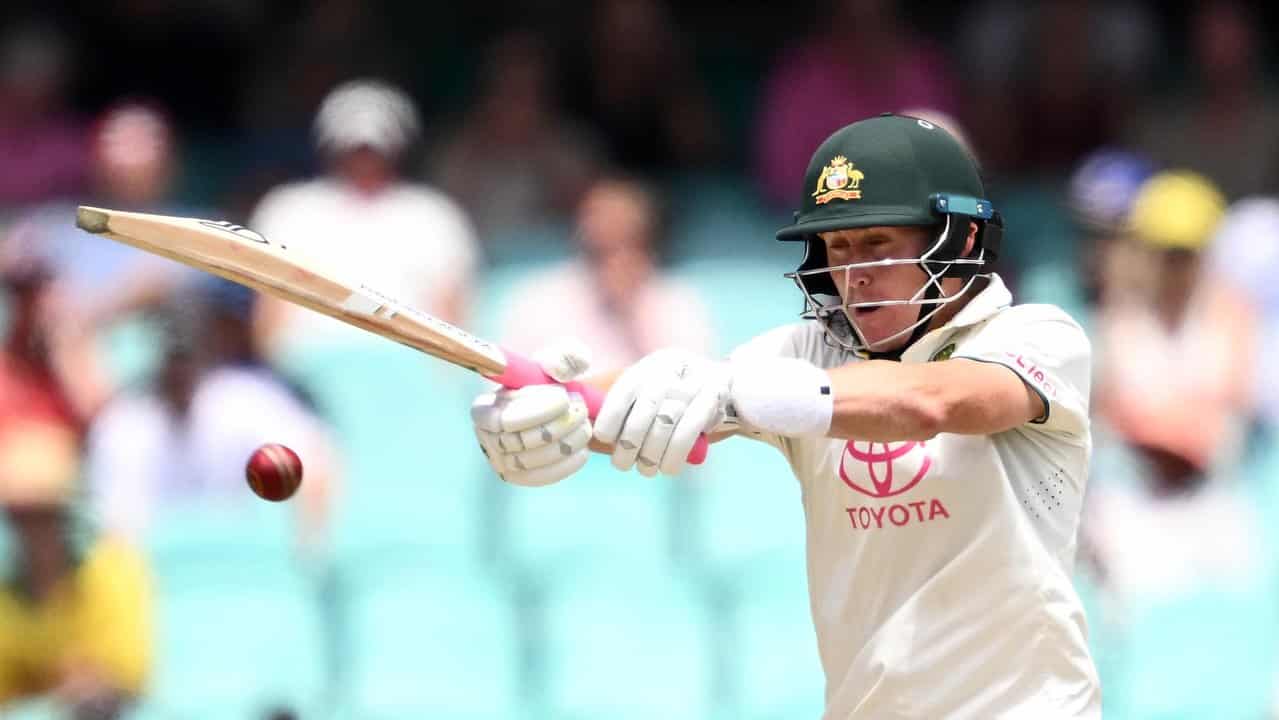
column 131, row 349
column 238, row 628
column 191, row 540
column 596, row 513
column 237, row 645
column 531, row 245
column 747, row 505
column 410, row 459
column 776, row 671
column 721, row 217
column 42, row 708
column 429, row 641
column 1203, row 650
column 1105, row 634
column 7, row 548
column 501, row 290
column 747, row 296
column 627, row 643
column 1208, row 654
column 1034, row 214
column 1056, row 285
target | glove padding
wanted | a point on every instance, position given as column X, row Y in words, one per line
column 658, row 407
column 536, row 435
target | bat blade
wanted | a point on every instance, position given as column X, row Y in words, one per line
column 246, row 257
column 243, row 256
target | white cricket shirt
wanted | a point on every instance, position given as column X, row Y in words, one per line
column 409, row 240
column 940, row 571
column 139, row 458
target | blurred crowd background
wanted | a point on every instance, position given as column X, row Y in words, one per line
column 611, row 170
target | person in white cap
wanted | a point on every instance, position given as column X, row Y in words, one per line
column 363, row 216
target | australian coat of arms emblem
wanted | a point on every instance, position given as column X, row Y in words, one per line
column 839, row 181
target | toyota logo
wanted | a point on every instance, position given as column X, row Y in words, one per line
column 883, row 469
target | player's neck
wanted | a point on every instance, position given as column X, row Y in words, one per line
column 951, row 309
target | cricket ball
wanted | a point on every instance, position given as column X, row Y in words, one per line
column 274, row 472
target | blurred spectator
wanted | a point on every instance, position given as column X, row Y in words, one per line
column 514, row 161
column 613, row 296
column 637, row 85
column 135, row 160
column 1174, row 343
column 313, row 49
column 186, row 437
column 1175, row 528
column 75, row 617
column 1224, row 126
column 1047, row 82
column 862, row 60
column 996, row 35
column 41, row 141
column 1099, row 195
column 1245, row 254
column 97, row 281
column 364, row 218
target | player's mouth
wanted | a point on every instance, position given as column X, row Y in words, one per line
column 865, row 311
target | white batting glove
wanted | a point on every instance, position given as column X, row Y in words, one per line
column 537, row 435
column 659, row 406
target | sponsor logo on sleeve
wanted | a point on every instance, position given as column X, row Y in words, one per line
column 1034, row 374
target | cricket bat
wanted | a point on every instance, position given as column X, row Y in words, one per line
column 243, row 256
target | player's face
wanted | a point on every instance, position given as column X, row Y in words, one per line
column 889, row 282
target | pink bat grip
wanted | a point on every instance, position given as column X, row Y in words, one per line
column 521, row 371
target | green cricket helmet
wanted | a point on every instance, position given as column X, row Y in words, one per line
column 892, row 170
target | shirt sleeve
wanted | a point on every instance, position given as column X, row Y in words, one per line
column 1050, row 353
column 778, row 342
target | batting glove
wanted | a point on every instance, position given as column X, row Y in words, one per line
column 656, row 409
column 537, row 435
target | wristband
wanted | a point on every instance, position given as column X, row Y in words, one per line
column 784, row 396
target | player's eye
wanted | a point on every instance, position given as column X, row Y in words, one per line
column 879, row 248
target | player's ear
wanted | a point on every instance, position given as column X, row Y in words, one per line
column 971, row 241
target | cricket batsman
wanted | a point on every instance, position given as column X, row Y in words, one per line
column 939, row 434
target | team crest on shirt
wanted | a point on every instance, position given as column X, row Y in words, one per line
column 884, row 469
column 840, row 180
column 944, row 353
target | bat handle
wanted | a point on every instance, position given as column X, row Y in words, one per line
column 521, row 371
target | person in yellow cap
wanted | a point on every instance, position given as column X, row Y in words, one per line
column 1176, row 540
column 1171, row 363
column 74, row 617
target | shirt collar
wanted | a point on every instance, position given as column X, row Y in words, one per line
column 983, row 306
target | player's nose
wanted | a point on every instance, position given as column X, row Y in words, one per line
column 858, row 279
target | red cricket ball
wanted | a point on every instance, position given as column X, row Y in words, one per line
column 274, row 472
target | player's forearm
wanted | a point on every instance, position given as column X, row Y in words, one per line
column 887, row 401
